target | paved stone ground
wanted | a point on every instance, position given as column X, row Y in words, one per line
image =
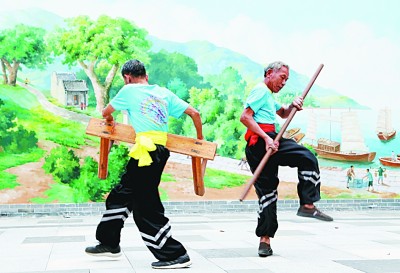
column 357, row 241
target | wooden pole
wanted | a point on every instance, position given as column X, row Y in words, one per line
column 261, row 166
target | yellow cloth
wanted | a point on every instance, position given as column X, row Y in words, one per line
column 145, row 143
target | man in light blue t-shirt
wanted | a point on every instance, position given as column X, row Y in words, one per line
column 148, row 107
column 259, row 116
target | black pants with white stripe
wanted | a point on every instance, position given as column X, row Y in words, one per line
column 289, row 154
column 138, row 193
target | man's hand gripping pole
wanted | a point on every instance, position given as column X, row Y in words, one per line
column 278, row 137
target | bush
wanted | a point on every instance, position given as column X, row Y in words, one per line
column 62, row 164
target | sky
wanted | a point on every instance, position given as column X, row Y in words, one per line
column 357, row 41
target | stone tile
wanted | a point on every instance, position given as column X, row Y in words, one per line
column 388, row 242
column 293, row 233
column 53, row 239
column 372, row 223
column 191, row 227
column 59, row 221
column 373, row 266
column 228, row 253
column 250, row 271
column 192, row 238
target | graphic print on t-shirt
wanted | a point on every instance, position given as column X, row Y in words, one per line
column 155, row 109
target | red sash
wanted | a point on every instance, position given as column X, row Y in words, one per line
column 254, row 137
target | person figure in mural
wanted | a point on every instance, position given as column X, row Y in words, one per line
column 243, row 164
column 380, row 175
column 370, row 180
column 26, row 81
column 148, row 107
column 259, row 116
column 394, row 157
column 350, row 175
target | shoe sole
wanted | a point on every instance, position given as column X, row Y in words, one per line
column 173, row 266
column 264, row 255
column 105, row 254
column 312, row 216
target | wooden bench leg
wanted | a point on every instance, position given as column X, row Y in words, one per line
column 105, row 146
column 198, row 174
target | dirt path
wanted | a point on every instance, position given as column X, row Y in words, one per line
column 32, row 178
column 33, row 183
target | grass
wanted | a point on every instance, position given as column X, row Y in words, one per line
column 7, row 180
column 218, row 179
column 34, row 117
column 58, row 193
column 166, row 177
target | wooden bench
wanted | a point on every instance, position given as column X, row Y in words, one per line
column 199, row 150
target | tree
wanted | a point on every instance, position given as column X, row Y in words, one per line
column 101, row 45
column 22, row 45
column 172, row 66
column 220, row 108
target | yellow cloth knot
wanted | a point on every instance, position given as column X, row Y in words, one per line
column 145, row 143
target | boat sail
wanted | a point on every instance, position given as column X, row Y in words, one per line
column 352, row 138
column 311, row 131
column 352, row 146
column 384, row 129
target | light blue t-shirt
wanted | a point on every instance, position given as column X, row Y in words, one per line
column 263, row 103
column 149, row 106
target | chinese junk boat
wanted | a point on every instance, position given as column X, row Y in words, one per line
column 351, row 147
column 384, row 129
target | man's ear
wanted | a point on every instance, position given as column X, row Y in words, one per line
column 269, row 72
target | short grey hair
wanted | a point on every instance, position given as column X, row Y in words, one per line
column 275, row 66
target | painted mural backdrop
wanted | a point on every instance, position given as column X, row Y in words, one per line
column 61, row 66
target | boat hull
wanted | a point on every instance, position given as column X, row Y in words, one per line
column 386, row 137
column 341, row 156
column 387, row 161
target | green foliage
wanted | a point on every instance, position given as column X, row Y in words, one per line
column 19, row 140
column 24, row 44
column 168, row 67
column 220, row 108
column 63, row 164
column 100, row 47
column 88, row 187
column 118, row 158
column 177, row 86
column 115, row 40
column 14, row 138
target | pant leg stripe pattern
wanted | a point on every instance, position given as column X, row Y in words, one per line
column 267, row 199
column 112, row 214
column 311, row 176
column 159, row 240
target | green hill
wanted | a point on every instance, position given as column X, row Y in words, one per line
column 32, row 17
